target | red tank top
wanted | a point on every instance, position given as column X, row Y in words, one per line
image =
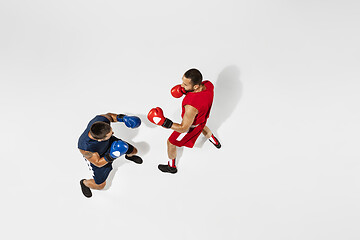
column 202, row 101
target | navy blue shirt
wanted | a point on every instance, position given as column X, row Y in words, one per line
column 88, row 144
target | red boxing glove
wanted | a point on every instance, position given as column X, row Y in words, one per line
column 177, row 91
column 156, row 116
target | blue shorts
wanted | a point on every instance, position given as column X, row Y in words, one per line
column 100, row 174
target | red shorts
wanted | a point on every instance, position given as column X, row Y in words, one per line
column 187, row 139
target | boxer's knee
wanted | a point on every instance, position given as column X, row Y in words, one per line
column 100, row 186
column 170, row 145
column 91, row 184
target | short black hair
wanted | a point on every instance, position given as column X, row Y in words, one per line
column 194, row 75
column 99, row 130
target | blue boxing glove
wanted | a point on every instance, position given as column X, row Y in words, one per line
column 117, row 149
column 130, row 121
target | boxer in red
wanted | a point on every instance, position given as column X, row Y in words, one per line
column 196, row 107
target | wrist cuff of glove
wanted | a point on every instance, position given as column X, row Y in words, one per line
column 120, row 117
column 167, row 123
column 109, row 158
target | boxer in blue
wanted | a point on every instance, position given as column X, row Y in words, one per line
column 100, row 148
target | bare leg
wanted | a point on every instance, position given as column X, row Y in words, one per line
column 91, row 184
column 207, row 132
column 135, row 151
column 170, row 167
column 171, row 149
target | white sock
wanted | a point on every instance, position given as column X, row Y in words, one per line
column 171, row 163
column 213, row 140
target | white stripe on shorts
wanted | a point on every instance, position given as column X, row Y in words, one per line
column 90, row 168
column 182, row 135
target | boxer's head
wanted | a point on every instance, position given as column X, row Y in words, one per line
column 101, row 131
column 192, row 80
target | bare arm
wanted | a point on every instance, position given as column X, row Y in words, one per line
column 110, row 116
column 188, row 119
column 94, row 158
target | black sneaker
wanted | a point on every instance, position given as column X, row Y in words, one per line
column 217, row 144
column 167, row 168
column 135, row 159
column 85, row 190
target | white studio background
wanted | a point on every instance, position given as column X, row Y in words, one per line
column 286, row 109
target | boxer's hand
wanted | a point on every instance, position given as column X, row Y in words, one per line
column 177, row 91
column 130, row 121
column 117, row 149
column 156, row 116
